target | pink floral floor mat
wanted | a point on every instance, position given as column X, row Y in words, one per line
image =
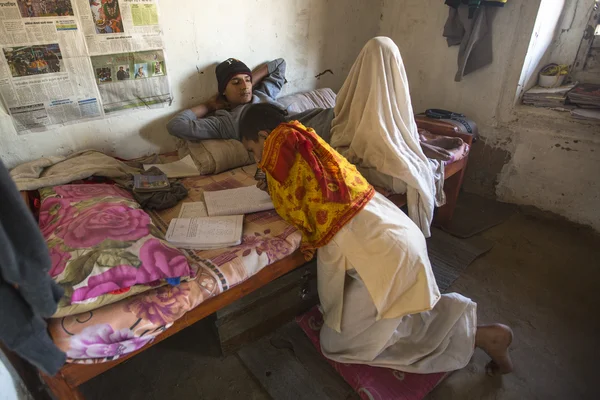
column 372, row 383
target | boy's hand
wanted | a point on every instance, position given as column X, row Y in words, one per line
column 217, row 103
column 262, row 185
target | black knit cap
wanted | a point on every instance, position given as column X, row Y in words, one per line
column 228, row 69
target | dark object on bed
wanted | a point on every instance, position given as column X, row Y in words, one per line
column 150, row 183
column 160, row 199
column 27, row 293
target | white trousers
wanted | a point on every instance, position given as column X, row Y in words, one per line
column 375, row 280
column 439, row 340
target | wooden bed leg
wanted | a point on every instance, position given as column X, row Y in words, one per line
column 60, row 388
column 28, row 373
column 452, row 185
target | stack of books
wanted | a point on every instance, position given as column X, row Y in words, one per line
column 547, row 97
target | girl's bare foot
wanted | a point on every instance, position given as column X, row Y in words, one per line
column 495, row 339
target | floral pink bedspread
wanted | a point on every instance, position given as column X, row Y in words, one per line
column 101, row 242
column 122, row 327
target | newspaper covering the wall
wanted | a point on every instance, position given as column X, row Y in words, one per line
column 125, row 43
column 64, row 61
column 132, row 80
column 45, row 70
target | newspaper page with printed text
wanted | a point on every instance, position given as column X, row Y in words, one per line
column 45, row 70
column 125, row 43
column 64, row 61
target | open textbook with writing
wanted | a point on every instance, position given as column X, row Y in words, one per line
column 243, row 200
column 193, row 210
column 205, row 233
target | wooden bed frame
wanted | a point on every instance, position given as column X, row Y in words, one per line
column 64, row 386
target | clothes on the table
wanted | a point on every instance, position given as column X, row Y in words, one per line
column 27, row 293
column 224, row 124
column 374, row 122
column 312, row 186
column 381, row 304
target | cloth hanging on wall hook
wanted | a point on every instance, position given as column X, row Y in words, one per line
column 474, row 35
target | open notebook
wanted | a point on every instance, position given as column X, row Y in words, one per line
column 205, row 233
column 243, row 200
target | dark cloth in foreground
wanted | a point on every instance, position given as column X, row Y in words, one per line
column 27, row 292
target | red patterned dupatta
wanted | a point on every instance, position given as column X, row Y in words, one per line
column 280, row 154
column 312, row 186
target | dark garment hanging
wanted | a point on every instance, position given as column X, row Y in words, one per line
column 27, row 292
column 474, row 37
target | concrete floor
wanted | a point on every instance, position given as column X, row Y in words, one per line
column 541, row 278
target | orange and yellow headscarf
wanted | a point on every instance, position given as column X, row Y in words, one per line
column 312, row 186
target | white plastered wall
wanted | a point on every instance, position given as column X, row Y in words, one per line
column 312, row 35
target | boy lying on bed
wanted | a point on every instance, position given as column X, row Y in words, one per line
column 238, row 86
column 381, row 304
